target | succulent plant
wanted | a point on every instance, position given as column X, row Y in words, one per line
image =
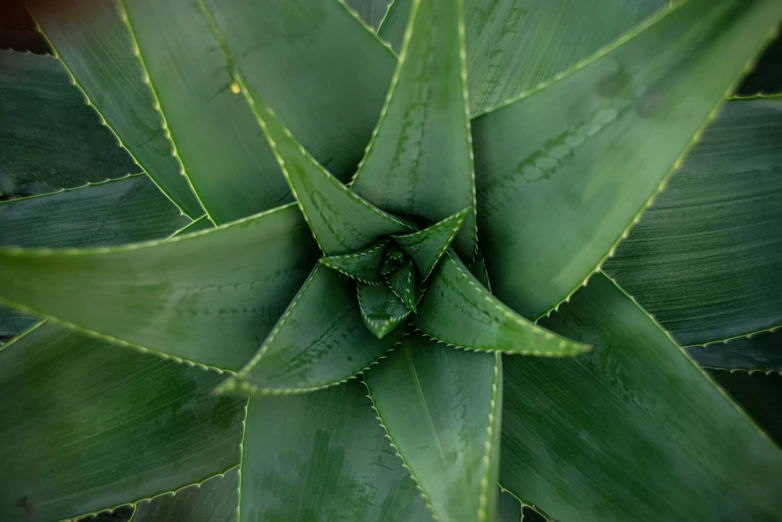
column 346, row 269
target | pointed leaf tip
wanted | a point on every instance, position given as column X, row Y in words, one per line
column 363, row 265
column 381, row 309
column 427, row 246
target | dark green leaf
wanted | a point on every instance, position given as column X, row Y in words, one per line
column 761, row 352
column 85, row 426
column 381, row 310
column 363, row 265
column 197, row 225
column 632, row 430
column 427, row 246
column 341, row 221
column 322, row 457
column 459, row 310
column 705, row 258
column 530, row 515
column 566, row 169
column 371, row 12
column 209, row 298
column 214, row 500
column 442, row 410
column 392, row 27
column 14, row 322
column 402, row 284
column 111, row 213
column 419, row 161
column 49, row 138
column 319, row 341
column 98, row 50
column 508, row 507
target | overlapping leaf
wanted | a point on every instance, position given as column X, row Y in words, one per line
column 760, row 352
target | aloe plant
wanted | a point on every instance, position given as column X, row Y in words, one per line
column 314, row 267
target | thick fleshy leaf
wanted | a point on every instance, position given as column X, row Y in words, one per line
column 14, row 322
column 49, row 138
column 442, row 410
column 320, row 457
column 371, row 12
column 513, row 45
column 565, row 170
column 202, row 223
column 457, row 309
column 705, row 258
column 381, row 310
column 427, row 246
column 629, row 431
column 319, row 341
column 758, row 394
column 214, row 500
column 110, row 213
column 363, row 265
column 85, row 426
column 402, row 284
column 419, row 161
column 341, row 221
column 97, row 48
column 508, row 507
column 209, row 298
column 528, row 514
column 762, row 352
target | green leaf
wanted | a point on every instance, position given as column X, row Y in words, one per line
column 427, row 246
column 341, row 221
column 419, row 161
column 197, row 225
column 214, row 500
column 402, row 284
column 508, row 507
column 567, row 168
column 85, row 426
column 381, row 310
column 513, row 45
column 704, row 260
column 97, row 48
column 758, row 394
column 442, row 410
column 632, row 430
column 13, row 322
column 457, row 309
column 760, row 352
column 319, row 341
column 321, row 456
column 363, row 265
column 49, row 138
column 208, row 298
column 371, row 12
column 114, row 212
column 528, row 514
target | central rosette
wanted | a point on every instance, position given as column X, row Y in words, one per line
column 392, row 274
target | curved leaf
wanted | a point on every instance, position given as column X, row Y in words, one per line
column 49, row 138
column 566, row 169
column 208, row 298
column 402, row 284
column 427, row 246
column 85, row 426
column 321, row 457
column 762, row 352
column 442, row 410
column 371, row 12
column 632, row 430
column 363, row 265
column 97, row 48
column 419, row 161
column 381, row 310
column 459, row 310
column 319, row 341
column 508, row 508
column 704, row 259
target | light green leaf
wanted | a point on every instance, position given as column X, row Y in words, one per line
column 363, row 265
column 513, row 45
column 322, row 457
column 381, row 310
column 214, row 500
column 419, row 161
column 371, row 12
column 97, row 48
column 442, row 410
column 705, row 258
column 85, row 426
column 208, row 298
column 427, row 246
column 762, row 352
column 632, row 430
column 114, row 212
column 341, row 221
column 566, row 169
column 402, row 284
column 457, row 309
column 319, row 341
column 49, row 138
